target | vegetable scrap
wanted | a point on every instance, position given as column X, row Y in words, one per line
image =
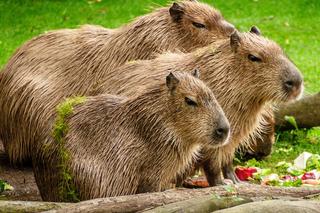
column 304, row 172
column 4, row 186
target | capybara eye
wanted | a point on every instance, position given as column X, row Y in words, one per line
column 254, row 58
column 190, row 102
column 198, row 25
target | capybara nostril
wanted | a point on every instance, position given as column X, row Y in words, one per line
column 222, row 132
column 293, row 86
column 289, row 85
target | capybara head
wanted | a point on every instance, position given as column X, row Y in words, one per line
column 263, row 67
column 199, row 22
column 195, row 113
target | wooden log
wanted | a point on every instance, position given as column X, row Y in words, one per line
column 139, row 202
column 305, row 111
column 28, row 206
column 201, row 204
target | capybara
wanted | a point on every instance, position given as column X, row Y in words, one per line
column 68, row 62
column 245, row 72
column 121, row 146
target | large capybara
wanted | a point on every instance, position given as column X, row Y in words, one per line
column 68, row 62
column 245, row 72
column 121, row 146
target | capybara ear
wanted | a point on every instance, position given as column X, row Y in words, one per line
column 255, row 30
column 196, row 73
column 172, row 81
column 234, row 41
column 176, row 12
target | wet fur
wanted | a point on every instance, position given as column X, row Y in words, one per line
column 68, row 62
column 260, row 143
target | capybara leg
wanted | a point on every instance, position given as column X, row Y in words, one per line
column 189, row 172
column 213, row 173
column 228, row 173
column 48, row 186
column 180, row 179
column 47, row 174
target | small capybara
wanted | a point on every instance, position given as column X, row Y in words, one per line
column 69, row 62
column 245, row 72
column 121, row 146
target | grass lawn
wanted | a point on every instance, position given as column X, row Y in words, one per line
column 289, row 145
column 294, row 24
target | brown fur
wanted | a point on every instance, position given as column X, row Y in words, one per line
column 69, row 62
column 261, row 145
column 123, row 146
column 241, row 86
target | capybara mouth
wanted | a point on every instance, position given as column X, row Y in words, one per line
column 257, row 156
column 216, row 143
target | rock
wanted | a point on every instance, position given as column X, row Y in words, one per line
column 275, row 206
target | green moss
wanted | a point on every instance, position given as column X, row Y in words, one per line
column 66, row 187
column 64, row 110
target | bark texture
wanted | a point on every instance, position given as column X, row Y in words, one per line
column 140, row 202
column 305, row 111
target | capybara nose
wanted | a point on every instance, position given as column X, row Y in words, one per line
column 292, row 83
column 222, row 132
column 289, row 85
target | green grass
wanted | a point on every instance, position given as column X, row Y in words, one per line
column 294, row 24
column 289, row 145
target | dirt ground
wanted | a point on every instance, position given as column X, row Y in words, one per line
column 21, row 179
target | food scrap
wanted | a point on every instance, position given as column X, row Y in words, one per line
column 304, row 172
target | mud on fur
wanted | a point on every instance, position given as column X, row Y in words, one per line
column 245, row 72
column 121, row 146
column 63, row 63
